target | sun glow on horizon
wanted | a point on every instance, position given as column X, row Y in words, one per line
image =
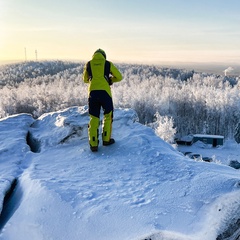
column 154, row 33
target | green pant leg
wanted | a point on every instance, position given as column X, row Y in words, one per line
column 93, row 130
column 107, row 127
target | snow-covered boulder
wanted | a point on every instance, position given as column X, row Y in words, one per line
column 138, row 188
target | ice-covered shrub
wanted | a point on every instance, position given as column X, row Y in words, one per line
column 164, row 127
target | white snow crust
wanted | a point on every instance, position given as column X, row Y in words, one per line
column 139, row 188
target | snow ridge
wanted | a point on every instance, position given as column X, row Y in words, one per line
column 139, row 188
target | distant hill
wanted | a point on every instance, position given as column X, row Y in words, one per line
column 11, row 74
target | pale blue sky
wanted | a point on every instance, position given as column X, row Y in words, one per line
column 151, row 31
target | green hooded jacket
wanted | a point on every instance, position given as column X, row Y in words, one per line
column 98, row 81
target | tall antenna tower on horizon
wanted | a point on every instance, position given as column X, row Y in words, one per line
column 36, row 54
column 25, row 51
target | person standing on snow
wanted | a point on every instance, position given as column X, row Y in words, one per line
column 100, row 74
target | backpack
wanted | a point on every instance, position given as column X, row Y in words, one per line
column 106, row 71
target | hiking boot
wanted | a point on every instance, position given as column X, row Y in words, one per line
column 111, row 141
column 94, row 149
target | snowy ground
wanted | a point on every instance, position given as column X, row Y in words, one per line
column 139, row 188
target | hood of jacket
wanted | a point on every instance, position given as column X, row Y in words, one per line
column 98, row 57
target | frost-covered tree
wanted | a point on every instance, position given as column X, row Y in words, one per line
column 189, row 98
column 164, row 127
column 237, row 133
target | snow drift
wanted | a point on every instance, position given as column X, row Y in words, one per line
column 139, row 188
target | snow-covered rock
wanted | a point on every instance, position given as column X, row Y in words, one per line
column 13, row 149
column 138, row 188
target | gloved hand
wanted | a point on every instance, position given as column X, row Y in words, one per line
column 110, row 82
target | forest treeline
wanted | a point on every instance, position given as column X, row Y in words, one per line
column 193, row 102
